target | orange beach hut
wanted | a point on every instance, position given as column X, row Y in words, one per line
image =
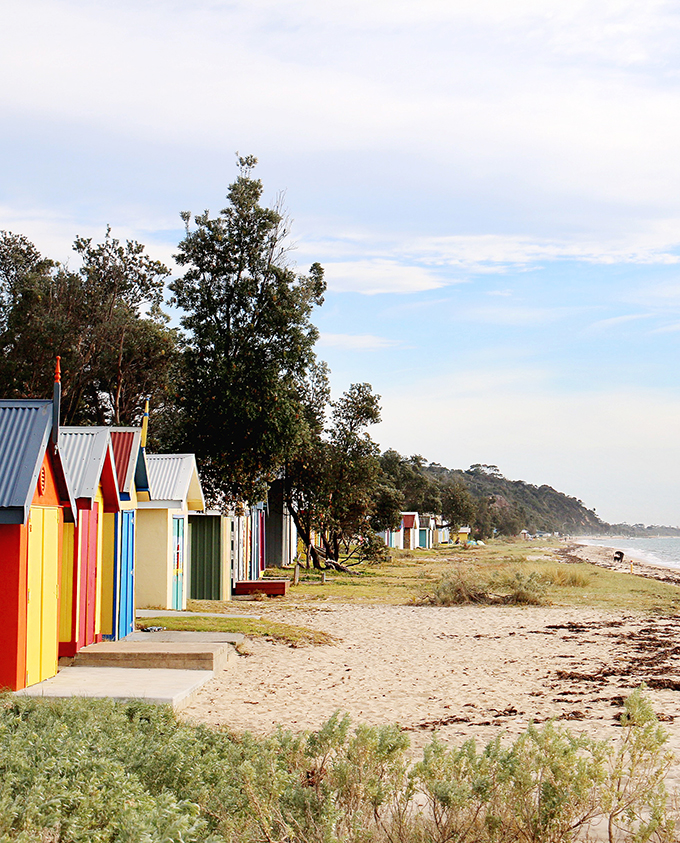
column 34, row 502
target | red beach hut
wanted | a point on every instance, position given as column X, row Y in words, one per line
column 87, row 589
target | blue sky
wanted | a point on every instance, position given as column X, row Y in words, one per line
column 492, row 186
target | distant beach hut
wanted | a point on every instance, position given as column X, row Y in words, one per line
column 426, row 531
column 280, row 533
column 162, row 531
column 463, row 535
column 88, row 569
column 133, row 482
column 411, row 525
column 394, row 538
column 34, row 502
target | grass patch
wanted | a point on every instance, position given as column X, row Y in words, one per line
column 294, row 636
column 410, row 576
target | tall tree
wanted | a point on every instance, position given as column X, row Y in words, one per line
column 249, row 343
column 331, row 482
column 113, row 355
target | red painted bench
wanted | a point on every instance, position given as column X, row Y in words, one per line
column 272, row 588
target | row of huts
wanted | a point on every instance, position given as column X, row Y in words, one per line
column 422, row 531
column 92, row 527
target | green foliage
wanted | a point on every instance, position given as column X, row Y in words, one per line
column 521, row 588
column 249, row 344
column 80, row 770
column 113, row 357
column 331, row 480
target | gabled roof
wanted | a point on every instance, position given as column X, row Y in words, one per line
column 88, row 460
column 174, row 479
column 129, row 458
column 25, row 427
column 24, row 433
column 409, row 520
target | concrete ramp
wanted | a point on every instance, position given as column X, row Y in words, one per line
column 165, row 667
column 160, row 686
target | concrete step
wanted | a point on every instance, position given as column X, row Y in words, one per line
column 180, row 636
column 174, row 655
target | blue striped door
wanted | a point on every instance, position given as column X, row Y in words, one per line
column 178, row 562
column 126, row 556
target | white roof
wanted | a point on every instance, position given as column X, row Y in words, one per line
column 83, row 452
column 174, row 480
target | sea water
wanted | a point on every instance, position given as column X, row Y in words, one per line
column 660, row 550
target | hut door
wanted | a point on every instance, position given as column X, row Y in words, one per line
column 178, row 562
column 126, row 607
column 88, row 573
column 42, row 632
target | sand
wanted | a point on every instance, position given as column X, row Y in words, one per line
column 463, row 671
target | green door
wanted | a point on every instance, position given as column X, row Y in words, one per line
column 205, row 539
column 177, row 562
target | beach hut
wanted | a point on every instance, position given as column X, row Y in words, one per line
column 426, row 531
column 133, row 483
column 161, row 580
column 462, row 535
column 210, row 556
column 34, row 502
column 411, row 525
column 393, row 538
column 280, row 532
column 88, row 569
column 257, row 541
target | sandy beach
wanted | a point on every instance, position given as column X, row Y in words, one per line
column 463, row 671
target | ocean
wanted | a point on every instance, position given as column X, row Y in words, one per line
column 664, row 550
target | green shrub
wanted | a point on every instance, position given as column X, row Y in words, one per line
column 520, row 588
column 78, row 770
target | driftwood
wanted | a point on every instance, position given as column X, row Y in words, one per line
column 333, row 565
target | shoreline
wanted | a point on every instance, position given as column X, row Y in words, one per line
column 603, row 557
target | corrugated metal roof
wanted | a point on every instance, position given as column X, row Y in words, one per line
column 83, row 451
column 24, row 433
column 125, row 442
column 174, row 477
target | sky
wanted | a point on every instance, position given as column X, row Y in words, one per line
column 493, row 188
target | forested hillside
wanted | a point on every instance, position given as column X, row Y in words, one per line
column 537, row 508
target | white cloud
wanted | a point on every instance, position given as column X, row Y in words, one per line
column 616, row 321
column 355, row 342
column 380, row 276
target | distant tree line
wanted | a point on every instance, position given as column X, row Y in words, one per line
column 239, row 383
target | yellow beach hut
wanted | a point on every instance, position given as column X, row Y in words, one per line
column 162, row 577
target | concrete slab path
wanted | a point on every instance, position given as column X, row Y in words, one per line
column 160, row 686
